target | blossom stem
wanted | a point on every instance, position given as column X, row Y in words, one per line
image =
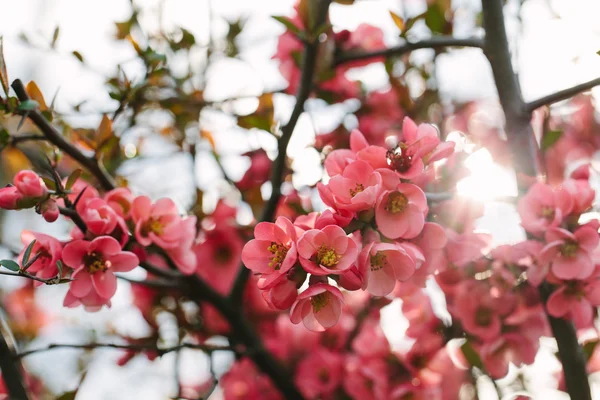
column 431, row 43
column 90, row 163
column 11, row 372
column 309, row 62
column 522, row 143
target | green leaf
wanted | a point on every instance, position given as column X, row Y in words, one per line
column 588, row 348
column 4, row 138
column 289, row 25
column 59, row 266
column 550, row 138
column 28, row 105
column 27, row 253
column 78, row 55
column 73, row 178
column 10, row 264
column 50, row 184
column 471, row 355
column 435, row 18
column 3, row 73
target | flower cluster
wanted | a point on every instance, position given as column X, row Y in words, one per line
column 29, row 190
column 373, row 235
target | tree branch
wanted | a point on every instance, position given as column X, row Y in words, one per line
column 431, row 43
column 132, row 347
column 561, row 95
column 309, row 62
column 524, row 147
column 11, row 372
column 59, row 141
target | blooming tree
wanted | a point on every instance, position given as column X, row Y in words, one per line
column 298, row 290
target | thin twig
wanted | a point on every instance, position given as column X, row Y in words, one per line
column 59, row 141
column 11, row 372
column 75, row 217
column 207, row 348
column 49, row 281
column 432, row 43
column 561, row 95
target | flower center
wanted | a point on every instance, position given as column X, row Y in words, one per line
column 398, row 159
column 569, row 249
column 547, row 212
column 223, row 254
column 357, row 189
column 279, row 252
column 319, row 301
column 378, row 261
column 397, row 203
column 483, row 316
column 327, row 256
column 95, row 263
column 152, row 225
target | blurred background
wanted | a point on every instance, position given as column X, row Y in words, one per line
column 70, row 49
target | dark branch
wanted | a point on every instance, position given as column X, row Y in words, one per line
column 432, row 43
column 14, row 140
column 49, row 281
column 75, row 217
column 59, row 141
column 11, row 372
column 562, row 95
column 131, row 347
column 309, row 62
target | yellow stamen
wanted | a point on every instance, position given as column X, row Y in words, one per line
column 378, row 261
column 569, row 249
column 95, row 263
column 397, row 203
column 357, row 189
column 279, row 252
column 327, row 257
column 319, row 301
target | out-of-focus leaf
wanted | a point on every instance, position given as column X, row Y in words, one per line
column 204, row 134
column 55, row 37
column 27, row 253
column 67, row 395
column 35, row 93
column 471, row 355
column 77, row 55
column 435, row 18
column 3, row 73
column 588, row 348
column 549, row 139
column 289, row 25
column 28, row 105
column 4, row 138
column 10, row 264
column 344, row 2
column 73, row 178
column 235, row 28
column 398, row 21
column 262, row 118
column 104, row 131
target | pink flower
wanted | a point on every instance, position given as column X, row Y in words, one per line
column 569, row 254
column 49, row 210
column 515, row 348
column 49, row 250
column 273, row 249
column 120, row 201
column 478, row 317
column 218, row 256
column 319, row 374
column 543, row 208
column 326, row 251
column 10, row 197
column 29, row 184
column 582, row 193
column 365, row 37
column 367, row 379
column 575, row 300
column 400, row 213
column 281, row 293
column 94, row 265
column 99, row 217
column 259, row 171
column 157, row 223
column 244, row 382
column 355, row 189
column 384, row 264
column 371, row 341
column 183, row 255
column 319, row 307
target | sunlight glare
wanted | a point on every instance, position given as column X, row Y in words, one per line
column 488, row 180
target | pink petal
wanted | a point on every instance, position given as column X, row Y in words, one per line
column 82, row 284
column 124, row 261
column 140, row 208
column 105, row 284
column 106, row 245
column 74, row 252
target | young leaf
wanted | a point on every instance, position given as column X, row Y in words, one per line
column 59, row 266
column 398, row 21
column 35, row 93
column 55, row 37
column 73, row 178
column 10, row 264
column 289, row 25
column 549, row 139
column 77, row 55
column 471, row 355
column 27, row 253
column 50, row 184
column 28, row 105
column 3, row 73
column 104, row 131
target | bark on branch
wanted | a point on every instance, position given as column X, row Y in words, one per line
column 562, row 95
